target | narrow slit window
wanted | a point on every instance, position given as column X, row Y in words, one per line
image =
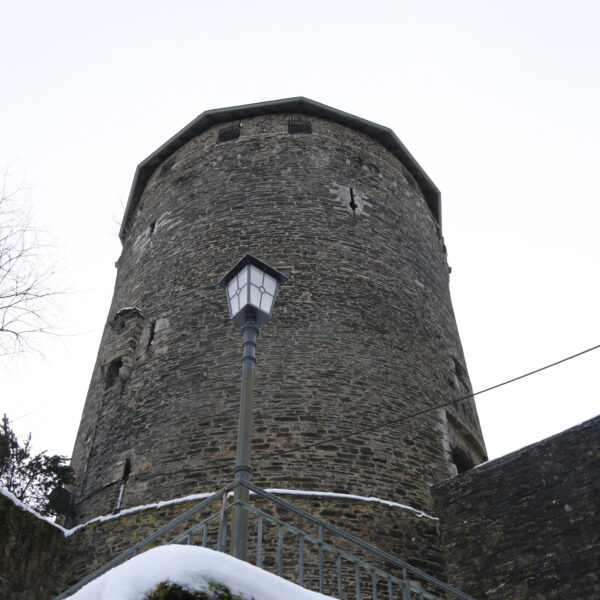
column 126, row 469
column 461, row 372
column 352, row 204
column 151, row 335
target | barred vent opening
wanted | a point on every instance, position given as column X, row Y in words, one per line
column 299, row 125
column 230, row 132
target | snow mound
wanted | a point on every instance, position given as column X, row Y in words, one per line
column 191, row 567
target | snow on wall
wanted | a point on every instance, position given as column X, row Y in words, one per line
column 202, row 496
column 22, row 506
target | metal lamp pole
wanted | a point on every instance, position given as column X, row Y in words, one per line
column 251, row 286
column 242, row 470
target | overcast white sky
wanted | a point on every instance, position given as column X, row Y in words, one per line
column 498, row 101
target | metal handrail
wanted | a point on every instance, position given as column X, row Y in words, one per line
column 236, row 509
column 133, row 551
column 333, row 549
column 354, row 540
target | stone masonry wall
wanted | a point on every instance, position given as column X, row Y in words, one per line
column 35, row 557
column 38, row 561
column 527, row 526
column 361, row 334
column 100, row 541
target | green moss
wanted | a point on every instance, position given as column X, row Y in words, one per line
column 172, row 591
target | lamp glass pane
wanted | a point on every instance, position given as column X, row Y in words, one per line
column 255, row 296
column 256, row 275
column 270, row 284
column 243, row 295
column 234, row 303
column 266, row 302
column 232, row 287
column 242, row 277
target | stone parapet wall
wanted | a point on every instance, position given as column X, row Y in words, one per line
column 393, row 529
column 35, row 556
column 527, row 526
column 39, row 561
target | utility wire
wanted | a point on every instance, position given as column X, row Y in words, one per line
column 370, row 428
column 424, row 411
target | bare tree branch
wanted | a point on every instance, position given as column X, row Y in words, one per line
column 25, row 279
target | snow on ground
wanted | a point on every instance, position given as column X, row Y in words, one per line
column 191, row 567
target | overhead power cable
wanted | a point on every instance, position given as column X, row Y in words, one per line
column 370, row 428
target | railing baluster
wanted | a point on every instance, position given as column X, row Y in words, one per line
column 405, row 585
column 396, row 586
column 280, row 553
column 301, row 561
column 222, row 523
column 321, row 559
column 259, row 535
column 225, row 527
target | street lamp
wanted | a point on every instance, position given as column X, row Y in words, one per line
column 251, row 287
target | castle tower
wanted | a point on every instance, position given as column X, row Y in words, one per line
column 362, row 334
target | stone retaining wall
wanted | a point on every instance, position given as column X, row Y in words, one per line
column 527, row 526
column 39, row 561
column 34, row 555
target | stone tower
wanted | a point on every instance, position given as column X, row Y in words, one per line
column 362, row 334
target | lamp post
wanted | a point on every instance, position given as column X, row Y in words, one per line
column 251, row 287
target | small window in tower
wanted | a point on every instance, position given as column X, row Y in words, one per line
column 111, row 372
column 299, row 125
column 462, row 460
column 230, row 132
column 461, row 372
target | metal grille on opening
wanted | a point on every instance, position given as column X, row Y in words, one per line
column 230, row 132
column 299, row 125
